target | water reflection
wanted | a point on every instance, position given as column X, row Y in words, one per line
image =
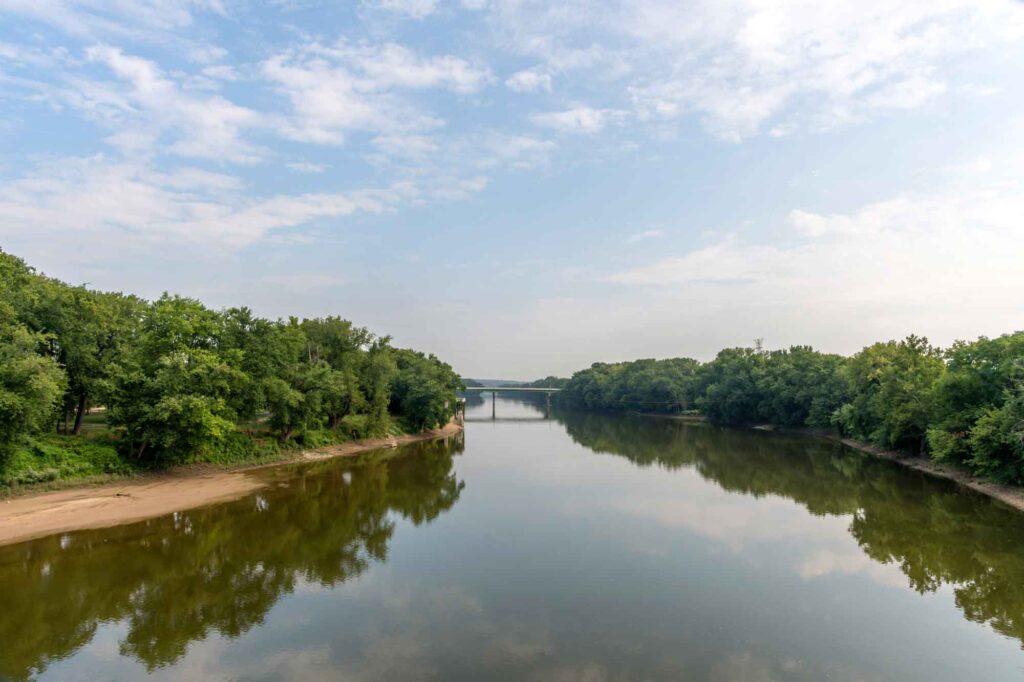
column 177, row 579
column 693, row 553
column 935, row 532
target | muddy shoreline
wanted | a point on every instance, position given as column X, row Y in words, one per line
column 38, row 514
column 1007, row 494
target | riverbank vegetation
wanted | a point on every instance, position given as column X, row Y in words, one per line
column 171, row 381
column 963, row 404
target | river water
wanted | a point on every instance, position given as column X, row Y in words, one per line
column 579, row 548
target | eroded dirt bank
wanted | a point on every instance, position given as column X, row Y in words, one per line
column 111, row 504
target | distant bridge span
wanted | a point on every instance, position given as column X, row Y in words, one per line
column 495, row 390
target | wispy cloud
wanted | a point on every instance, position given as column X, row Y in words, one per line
column 105, row 201
column 642, row 236
column 580, row 119
column 960, row 246
column 335, row 90
column 414, row 9
column 529, row 80
column 146, row 106
column 306, row 167
column 740, row 65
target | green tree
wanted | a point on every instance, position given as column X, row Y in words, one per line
column 173, row 394
column 87, row 333
column 732, row 393
column 800, row 387
column 996, row 440
column 424, row 389
column 378, row 370
column 891, row 386
column 31, row 386
column 980, row 376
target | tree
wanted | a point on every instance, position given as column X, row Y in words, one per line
column 424, row 389
column 800, row 387
column 87, row 332
column 31, row 385
column 996, row 440
column 980, row 377
column 173, row 394
column 890, row 386
column 378, row 370
column 732, row 394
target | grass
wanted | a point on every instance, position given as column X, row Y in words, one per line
column 52, row 457
column 50, row 460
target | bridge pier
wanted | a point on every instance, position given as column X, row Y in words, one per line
column 495, row 390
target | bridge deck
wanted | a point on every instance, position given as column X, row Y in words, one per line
column 510, row 389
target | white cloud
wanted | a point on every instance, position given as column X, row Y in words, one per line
column 101, row 201
column 642, row 236
column 580, row 119
column 415, row 9
column 96, row 19
column 147, row 105
column 113, row 202
column 518, row 151
column 742, row 64
column 336, row 90
column 306, row 167
column 207, row 54
column 957, row 250
column 529, row 80
column 222, row 72
column 392, row 65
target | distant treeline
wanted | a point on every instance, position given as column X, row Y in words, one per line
column 181, row 382
column 963, row 404
column 547, row 382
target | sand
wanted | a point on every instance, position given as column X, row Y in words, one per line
column 39, row 514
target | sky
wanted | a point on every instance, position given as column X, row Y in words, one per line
column 526, row 187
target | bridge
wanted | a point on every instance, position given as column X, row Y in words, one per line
column 495, row 390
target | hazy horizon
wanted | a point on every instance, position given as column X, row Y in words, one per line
column 525, row 188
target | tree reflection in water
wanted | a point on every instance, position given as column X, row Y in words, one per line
column 936, row 532
column 179, row 578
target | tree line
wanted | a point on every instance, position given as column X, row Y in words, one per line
column 963, row 404
column 181, row 382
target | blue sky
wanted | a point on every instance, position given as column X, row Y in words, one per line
column 527, row 187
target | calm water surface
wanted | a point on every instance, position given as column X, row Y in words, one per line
column 584, row 547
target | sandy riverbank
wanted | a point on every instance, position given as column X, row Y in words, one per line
column 112, row 504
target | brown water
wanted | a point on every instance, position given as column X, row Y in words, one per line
column 581, row 548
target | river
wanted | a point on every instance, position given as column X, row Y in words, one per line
column 581, row 548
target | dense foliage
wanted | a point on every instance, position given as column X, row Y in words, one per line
column 181, row 382
column 964, row 404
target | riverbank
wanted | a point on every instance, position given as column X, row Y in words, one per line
column 37, row 514
column 1007, row 494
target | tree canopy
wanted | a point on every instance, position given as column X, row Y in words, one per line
column 963, row 404
column 182, row 382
